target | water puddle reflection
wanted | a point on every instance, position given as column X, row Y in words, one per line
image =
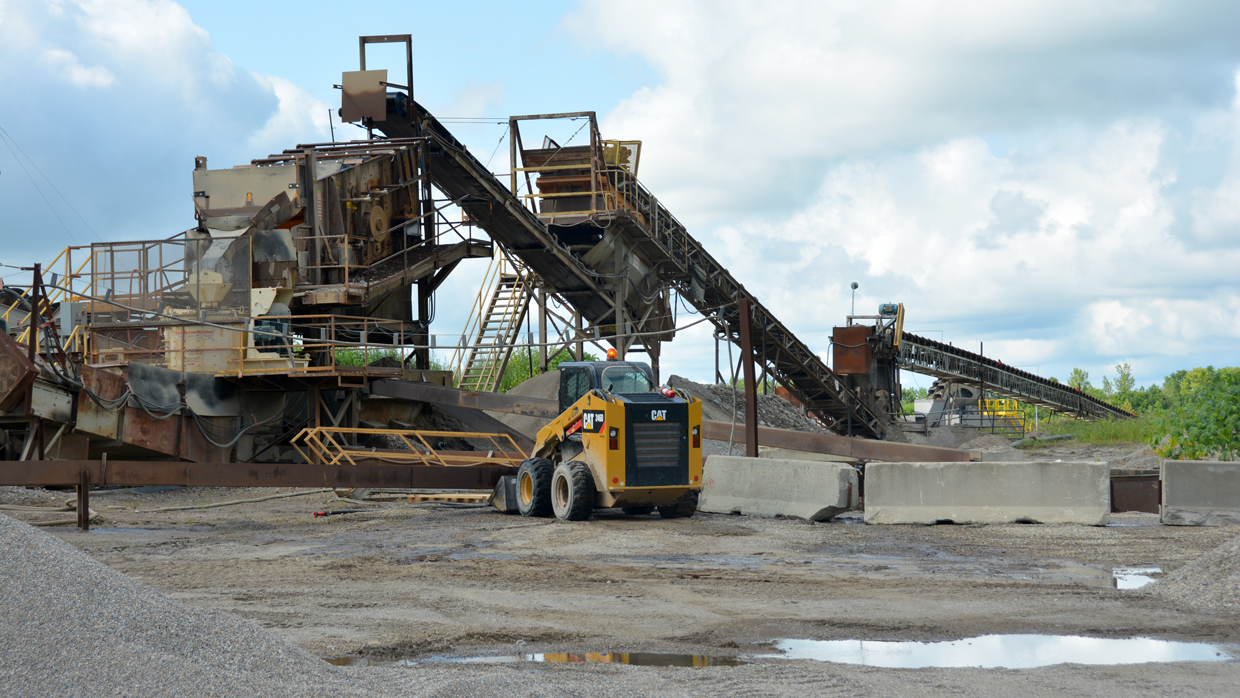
column 1001, row 651
column 658, row 659
column 1135, row 577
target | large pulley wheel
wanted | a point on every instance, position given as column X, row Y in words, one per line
column 682, row 508
column 572, row 491
column 534, row 487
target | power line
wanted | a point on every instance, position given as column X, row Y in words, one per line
column 52, row 185
column 36, row 187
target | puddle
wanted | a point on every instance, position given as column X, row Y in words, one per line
column 659, row 659
column 1135, row 577
column 1000, row 651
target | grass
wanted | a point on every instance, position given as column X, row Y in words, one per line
column 1105, row 432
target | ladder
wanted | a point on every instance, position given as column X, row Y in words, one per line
column 493, row 326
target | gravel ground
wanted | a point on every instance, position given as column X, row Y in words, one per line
column 1209, row 583
column 429, row 581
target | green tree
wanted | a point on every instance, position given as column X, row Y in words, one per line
column 1079, row 379
column 1124, row 382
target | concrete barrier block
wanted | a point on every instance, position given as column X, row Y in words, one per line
column 1005, row 456
column 1200, row 493
column 790, row 454
column 1029, row 492
column 777, row 487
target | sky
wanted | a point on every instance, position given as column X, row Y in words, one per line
column 1057, row 180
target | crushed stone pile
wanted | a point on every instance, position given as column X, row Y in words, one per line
column 72, row 626
column 1211, row 583
column 773, row 411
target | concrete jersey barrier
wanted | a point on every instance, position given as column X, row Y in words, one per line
column 777, row 487
column 1200, row 493
column 1030, row 491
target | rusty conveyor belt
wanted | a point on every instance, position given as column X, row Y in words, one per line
column 926, row 356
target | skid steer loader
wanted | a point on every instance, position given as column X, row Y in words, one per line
column 618, row 442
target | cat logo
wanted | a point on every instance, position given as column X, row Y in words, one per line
column 658, row 415
column 592, row 421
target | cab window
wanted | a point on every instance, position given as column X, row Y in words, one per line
column 625, row 379
column 576, row 385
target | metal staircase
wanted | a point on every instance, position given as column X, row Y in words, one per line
column 493, row 327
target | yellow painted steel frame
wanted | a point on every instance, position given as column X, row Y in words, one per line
column 1005, row 408
column 324, row 448
column 609, row 466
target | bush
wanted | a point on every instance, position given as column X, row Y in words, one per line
column 1205, row 425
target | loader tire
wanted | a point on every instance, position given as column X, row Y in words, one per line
column 534, row 487
column 572, row 491
column 637, row 511
column 682, row 508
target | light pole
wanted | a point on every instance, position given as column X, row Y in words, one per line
column 854, row 298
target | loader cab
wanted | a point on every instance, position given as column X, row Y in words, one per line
column 619, row 377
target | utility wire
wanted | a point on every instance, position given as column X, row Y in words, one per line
column 36, row 187
column 52, row 185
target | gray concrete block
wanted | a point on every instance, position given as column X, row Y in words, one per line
column 777, row 487
column 1010, row 455
column 1030, row 491
column 1200, row 493
column 789, row 454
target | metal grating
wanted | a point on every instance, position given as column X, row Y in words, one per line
column 657, row 444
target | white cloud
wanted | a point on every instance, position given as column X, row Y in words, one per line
column 159, row 95
column 73, row 70
column 298, row 113
column 1058, row 179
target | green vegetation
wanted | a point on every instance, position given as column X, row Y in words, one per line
column 524, row 364
column 1193, row 414
column 765, row 386
column 909, row 395
column 1206, row 420
column 1103, row 432
column 360, row 357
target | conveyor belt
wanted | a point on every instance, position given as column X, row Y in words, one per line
column 926, row 356
column 682, row 260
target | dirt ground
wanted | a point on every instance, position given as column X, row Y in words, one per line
column 431, row 580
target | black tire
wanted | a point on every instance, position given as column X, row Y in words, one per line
column 682, row 508
column 534, row 487
column 572, row 491
column 637, row 511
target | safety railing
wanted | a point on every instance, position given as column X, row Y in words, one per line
column 327, row 446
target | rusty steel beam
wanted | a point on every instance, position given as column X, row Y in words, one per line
column 454, row 397
column 751, row 388
column 143, row 473
column 836, row 445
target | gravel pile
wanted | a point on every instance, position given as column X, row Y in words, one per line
column 1210, row 583
column 72, row 626
column 773, row 411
